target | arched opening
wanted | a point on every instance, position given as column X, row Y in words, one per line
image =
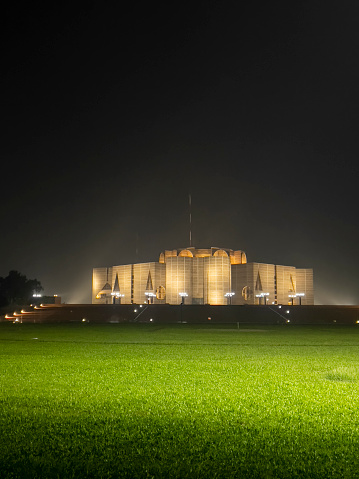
column 220, row 253
column 186, row 253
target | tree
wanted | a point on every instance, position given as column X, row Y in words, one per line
column 17, row 289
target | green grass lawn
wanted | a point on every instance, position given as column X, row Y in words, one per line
column 142, row 400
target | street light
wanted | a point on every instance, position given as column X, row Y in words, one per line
column 183, row 296
column 150, row 297
column 118, row 296
column 262, row 295
column 300, row 296
column 229, row 297
column 292, row 296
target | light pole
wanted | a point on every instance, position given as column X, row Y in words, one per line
column 229, row 297
column 183, row 296
column 118, row 296
column 292, row 296
column 262, row 295
column 150, row 297
column 300, row 296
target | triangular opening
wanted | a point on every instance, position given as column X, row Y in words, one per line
column 116, row 286
column 259, row 283
column 291, row 283
column 149, row 285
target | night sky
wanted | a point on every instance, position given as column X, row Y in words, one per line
column 113, row 113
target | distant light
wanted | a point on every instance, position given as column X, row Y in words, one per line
column 151, row 320
column 288, row 321
column 135, row 310
column 55, row 295
column 36, row 295
column 83, row 320
column 357, row 322
column 140, row 305
column 279, row 306
column 287, row 311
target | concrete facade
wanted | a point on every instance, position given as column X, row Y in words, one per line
column 205, row 276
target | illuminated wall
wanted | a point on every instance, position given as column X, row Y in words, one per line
column 206, row 276
column 217, row 279
column 305, row 285
column 178, row 279
column 148, row 278
column 251, row 280
column 100, row 278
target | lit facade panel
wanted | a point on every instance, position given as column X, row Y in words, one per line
column 286, row 283
column 148, row 278
column 217, row 279
column 258, row 283
column 305, row 285
column 124, row 280
column 205, row 276
column 100, row 278
column 178, row 279
column 198, row 280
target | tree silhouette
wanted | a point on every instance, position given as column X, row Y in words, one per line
column 15, row 288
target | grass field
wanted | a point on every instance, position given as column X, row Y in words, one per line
column 128, row 401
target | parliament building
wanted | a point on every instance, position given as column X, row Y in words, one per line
column 215, row 276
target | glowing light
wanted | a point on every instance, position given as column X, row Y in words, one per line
column 36, row 295
column 151, row 320
column 135, row 310
column 287, row 311
column 83, row 320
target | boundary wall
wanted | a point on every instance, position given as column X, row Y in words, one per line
column 167, row 314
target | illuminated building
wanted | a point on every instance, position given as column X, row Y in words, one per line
column 215, row 276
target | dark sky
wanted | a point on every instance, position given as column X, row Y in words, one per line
column 112, row 114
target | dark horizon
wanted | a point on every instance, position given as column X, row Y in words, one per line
column 113, row 115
